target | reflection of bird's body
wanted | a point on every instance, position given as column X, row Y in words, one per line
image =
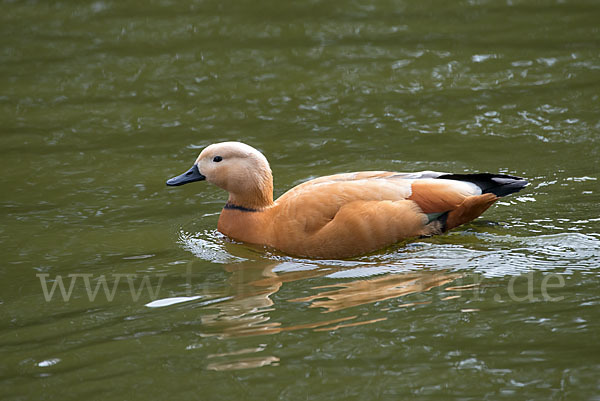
column 341, row 215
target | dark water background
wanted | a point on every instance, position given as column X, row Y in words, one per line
column 101, row 101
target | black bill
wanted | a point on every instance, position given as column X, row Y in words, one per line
column 191, row 175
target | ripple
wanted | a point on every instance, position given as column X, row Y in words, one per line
column 159, row 303
column 244, row 363
column 48, row 362
column 493, row 255
column 209, row 245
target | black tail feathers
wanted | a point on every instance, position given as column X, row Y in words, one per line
column 497, row 184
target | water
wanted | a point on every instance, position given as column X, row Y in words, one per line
column 102, row 101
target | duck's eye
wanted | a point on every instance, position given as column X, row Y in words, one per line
column 217, row 159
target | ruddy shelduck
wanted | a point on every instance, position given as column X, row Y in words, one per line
column 341, row 215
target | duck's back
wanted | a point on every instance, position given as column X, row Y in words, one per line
column 329, row 193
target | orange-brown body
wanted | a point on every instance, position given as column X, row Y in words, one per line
column 337, row 216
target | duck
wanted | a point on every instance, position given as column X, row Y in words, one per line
column 343, row 215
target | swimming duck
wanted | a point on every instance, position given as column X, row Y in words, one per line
column 342, row 215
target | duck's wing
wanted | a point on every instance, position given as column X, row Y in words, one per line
column 348, row 214
column 433, row 191
column 425, row 188
column 374, row 209
column 355, row 228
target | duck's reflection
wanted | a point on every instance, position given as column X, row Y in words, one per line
column 360, row 292
column 247, row 311
column 246, row 307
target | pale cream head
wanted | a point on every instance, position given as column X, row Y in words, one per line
column 239, row 169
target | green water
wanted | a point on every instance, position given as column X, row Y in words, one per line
column 101, row 102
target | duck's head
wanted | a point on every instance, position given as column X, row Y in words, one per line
column 236, row 167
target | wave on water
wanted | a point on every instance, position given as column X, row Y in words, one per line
column 209, row 245
column 493, row 255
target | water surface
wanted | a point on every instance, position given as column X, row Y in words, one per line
column 102, row 101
